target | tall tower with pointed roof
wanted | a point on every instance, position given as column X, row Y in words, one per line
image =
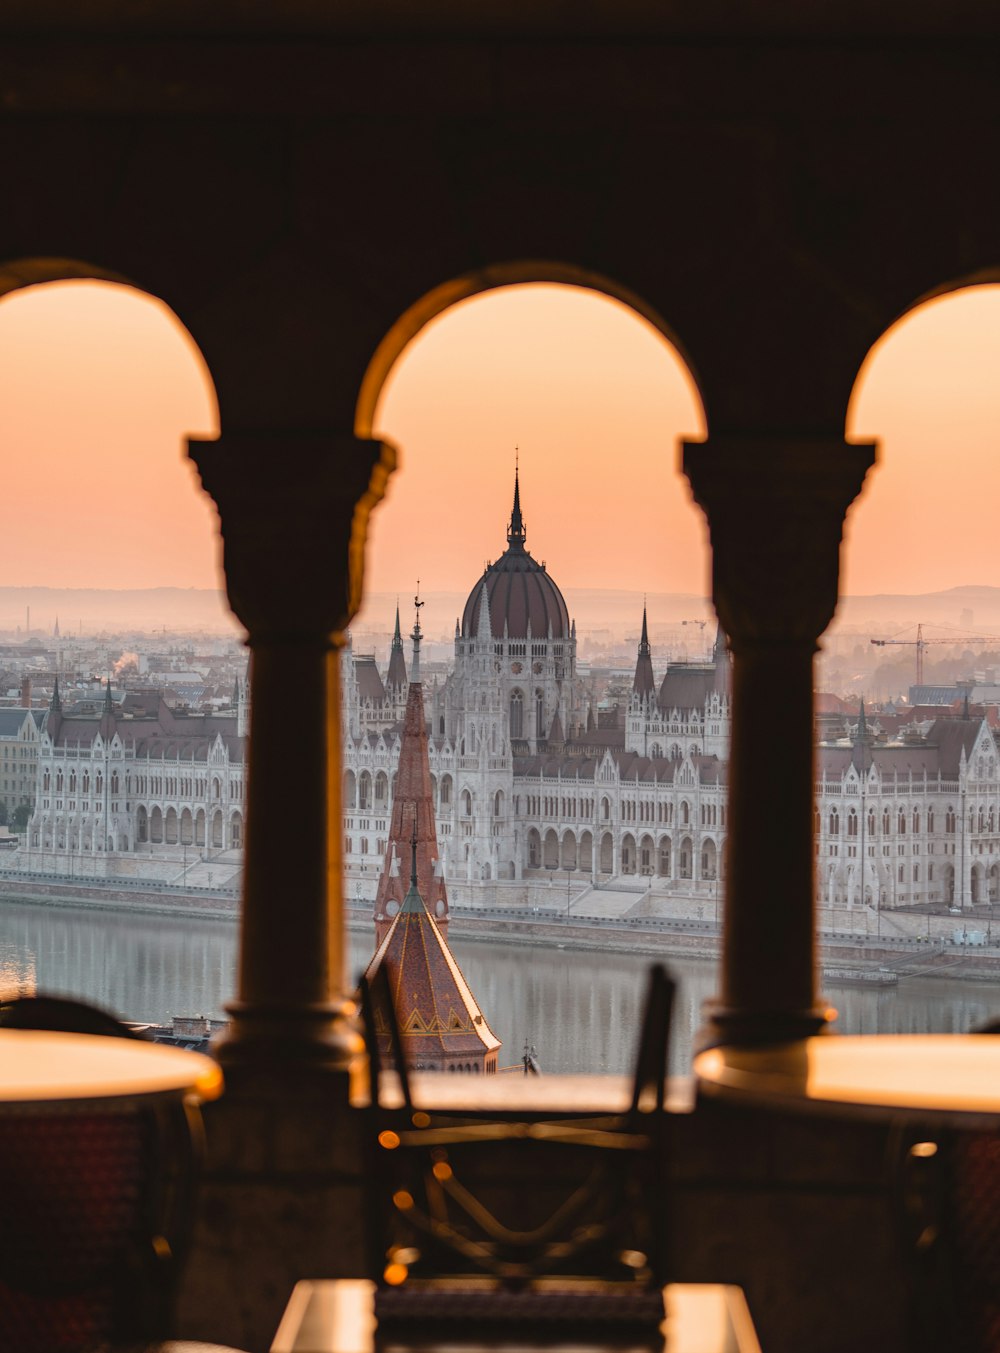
column 441, row 1025
column 396, row 684
column 412, row 818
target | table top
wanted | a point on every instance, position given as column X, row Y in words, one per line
column 950, row 1077
column 38, row 1066
column 338, row 1317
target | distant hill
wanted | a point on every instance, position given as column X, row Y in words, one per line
column 94, row 609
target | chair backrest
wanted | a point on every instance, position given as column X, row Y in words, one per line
column 581, row 1197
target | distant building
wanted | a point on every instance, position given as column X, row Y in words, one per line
column 526, row 777
column 19, row 742
column 909, row 818
column 137, row 777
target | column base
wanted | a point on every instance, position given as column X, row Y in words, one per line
column 732, row 1027
column 285, row 1042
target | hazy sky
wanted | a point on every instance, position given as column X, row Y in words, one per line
column 98, row 386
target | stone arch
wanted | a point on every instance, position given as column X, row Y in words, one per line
column 199, row 827
column 607, row 859
column 217, row 829
column 586, row 852
column 647, row 855
column 489, row 278
column 446, row 791
column 365, row 791
column 381, row 792
column 466, row 799
column 628, row 854
column 350, row 790
column 156, row 826
column 187, row 828
column 976, row 881
column 534, row 848
column 948, row 882
column 568, row 851
column 550, row 852
column 142, row 823
column 236, row 830
column 686, row 859
column 709, row 859
column 993, row 883
column 663, row 857
column 170, row 832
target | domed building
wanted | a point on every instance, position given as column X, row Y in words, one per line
column 515, row 646
column 523, row 780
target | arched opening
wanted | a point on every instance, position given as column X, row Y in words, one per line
column 170, row 827
column 628, row 854
column 646, row 855
column 187, row 828
column 217, row 829
column 156, row 826
column 607, row 853
column 709, row 860
column 350, row 790
column 199, row 827
column 534, row 848
column 586, row 852
column 663, row 858
column 142, row 824
column 551, row 850
column 568, row 858
column 381, row 792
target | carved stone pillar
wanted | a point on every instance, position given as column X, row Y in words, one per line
column 775, row 507
column 294, row 509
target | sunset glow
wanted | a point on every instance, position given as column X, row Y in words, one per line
column 99, row 386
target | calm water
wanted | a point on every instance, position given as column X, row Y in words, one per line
column 578, row 1008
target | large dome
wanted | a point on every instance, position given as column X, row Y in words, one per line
column 519, row 591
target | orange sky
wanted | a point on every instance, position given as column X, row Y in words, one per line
column 98, row 385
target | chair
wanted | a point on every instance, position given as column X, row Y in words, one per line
column 588, row 1194
column 97, row 1206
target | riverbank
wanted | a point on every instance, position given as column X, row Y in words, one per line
column 867, row 957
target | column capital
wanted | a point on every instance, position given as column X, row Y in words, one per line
column 775, row 507
column 287, row 501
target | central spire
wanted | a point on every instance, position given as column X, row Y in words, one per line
column 515, row 530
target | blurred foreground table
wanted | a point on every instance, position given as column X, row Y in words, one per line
column 949, row 1078
column 338, row 1317
column 38, row 1067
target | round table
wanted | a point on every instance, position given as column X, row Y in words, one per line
column 950, row 1078
column 38, row 1066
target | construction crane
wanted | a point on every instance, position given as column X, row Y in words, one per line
column 920, row 643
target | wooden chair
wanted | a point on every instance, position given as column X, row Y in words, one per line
column 584, row 1198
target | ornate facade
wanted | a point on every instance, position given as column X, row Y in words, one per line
column 523, row 781
column 138, row 779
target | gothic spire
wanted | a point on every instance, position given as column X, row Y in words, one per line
column 396, row 675
column 515, row 530
column 55, row 704
column 643, row 683
column 108, row 703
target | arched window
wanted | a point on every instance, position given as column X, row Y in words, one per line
column 834, row 823
column 871, row 821
column 498, row 803
column 517, row 714
column 916, row 821
column 540, row 713
column 852, row 823
column 930, row 819
column 949, row 821
column 901, row 823
column 466, row 803
column 886, row 823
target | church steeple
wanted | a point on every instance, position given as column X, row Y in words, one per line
column 643, row 683
column 109, row 707
column 55, row 704
column 412, row 820
column 396, row 675
column 516, row 534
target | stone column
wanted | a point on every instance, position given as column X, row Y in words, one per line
column 294, row 509
column 775, row 508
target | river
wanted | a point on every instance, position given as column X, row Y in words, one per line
column 578, row 1008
